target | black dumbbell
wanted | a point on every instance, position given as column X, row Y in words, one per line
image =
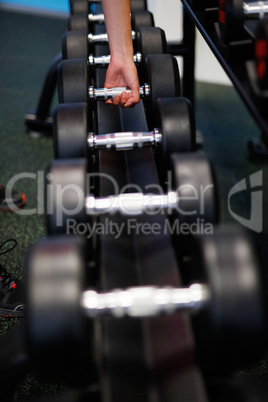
column 261, row 53
column 102, row 38
column 148, row 40
column 77, row 39
column 84, row 22
column 176, row 132
column 69, row 331
column 84, row 6
column 162, row 73
column 228, row 294
column 194, row 197
column 233, row 13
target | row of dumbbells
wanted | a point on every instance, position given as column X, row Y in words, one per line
column 175, row 133
column 234, row 18
column 173, row 124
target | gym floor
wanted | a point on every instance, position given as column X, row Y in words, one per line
column 28, row 45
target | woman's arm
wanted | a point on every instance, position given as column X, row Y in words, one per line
column 122, row 71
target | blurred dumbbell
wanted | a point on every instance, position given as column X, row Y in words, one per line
column 261, row 53
column 85, row 22
column 85, row 6
column 70, row 331
column 229, row 295
column 233, row 13
column 148, row 40
column 194, row 196
column 162, row 73
column 78, row 39
column 176, row 132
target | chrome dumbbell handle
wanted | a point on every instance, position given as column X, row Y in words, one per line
column 255, row 9
column 147, row 301
column 137, row 57
column 131, row 204
column 99, row 61
column 110, row 93
column 124, row 140
column 97, row 18
column 105, row 60
column 103, row 38
column 99, row 38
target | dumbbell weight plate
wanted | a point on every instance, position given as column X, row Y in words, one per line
column 164, row 82
column 177, row 122
column 55, row 324
column 231, row 268
column 231, row 19
column 73, row 81
column 65, row 193
column 80, row 7
column 149, row 40
column 141, row 18
column 177, row 125
column 194, row 181
column 70, row 131
column 75, row 45
column 78, row 22
column 261, row 52
column 138, row 5
column 230, row 332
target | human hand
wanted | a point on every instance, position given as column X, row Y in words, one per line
column 123, row 73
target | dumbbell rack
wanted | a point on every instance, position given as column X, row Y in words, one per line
column 237, row 59
column 161, row 344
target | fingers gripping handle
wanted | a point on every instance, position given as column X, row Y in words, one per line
column 110, row 93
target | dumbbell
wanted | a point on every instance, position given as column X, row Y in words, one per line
column 228, row 294
column 75, row 42
column 102, row 38
column 176, row 132
column 194, row 196
column 261, row 53
column 85, row 22
column 84, row 6
column 148, row 40
column 162, row 73
column 233, row 13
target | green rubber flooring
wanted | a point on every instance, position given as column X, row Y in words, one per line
column 27, row 46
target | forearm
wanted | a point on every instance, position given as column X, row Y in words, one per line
column 122, row 71
column 118, row 26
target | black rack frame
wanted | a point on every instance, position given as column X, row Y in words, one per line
column 237, row 59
